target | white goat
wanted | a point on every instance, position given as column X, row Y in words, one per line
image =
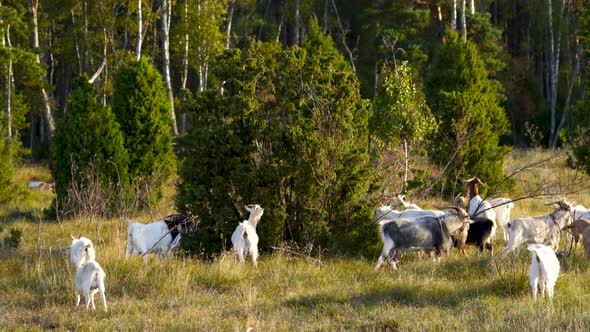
column 544, row 269
column 385, row 213
column 244, row 238
column 478, row 207
column 503, row 207
column 155, row 237
column 90, row 276
column 580, row 211
column 543, row 229
column 401, row 200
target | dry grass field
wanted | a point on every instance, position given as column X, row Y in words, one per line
column 287, row 293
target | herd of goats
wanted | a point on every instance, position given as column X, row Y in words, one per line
column 472, row 220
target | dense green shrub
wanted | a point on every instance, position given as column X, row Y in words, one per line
column 142, row 111
column 290, row 133
column 467, row 104
column 9, row 156
column 89, row 153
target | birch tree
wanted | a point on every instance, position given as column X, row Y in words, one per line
column 166, row 13
column 35, row 41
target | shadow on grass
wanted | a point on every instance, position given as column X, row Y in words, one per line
column 16, row 215
column 404, row 295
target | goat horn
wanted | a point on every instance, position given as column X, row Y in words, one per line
column 448, row 208
column 73, row 238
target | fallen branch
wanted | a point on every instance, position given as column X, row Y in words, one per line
column 315, row 260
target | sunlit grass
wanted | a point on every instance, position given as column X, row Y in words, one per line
column 284, row 292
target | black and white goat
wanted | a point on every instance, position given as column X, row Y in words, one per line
column 158, row 236
column 479, row 233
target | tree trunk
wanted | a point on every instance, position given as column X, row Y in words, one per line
column 139, row 31
column 566, row 105
column 184, row 77
column 230, row 16
column 44, row 96
column 8, row 86
column 326, row 3
column 406, row 163
column 165, row 14
column 463, row 20
column 76, row 43
column 297, row 26
column 86, row 48
column 454, row 16
column 348, row 51
column 472, row 7
column 554, row 57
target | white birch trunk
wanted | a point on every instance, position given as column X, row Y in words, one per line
column 230, row 16
column 165, row 14
column 139, row 30
column 76, row 42
column 554, row 57
column 8, row 84
column 86, row 48
column 44, row 96
column 472, row 7
column 463, row 20
column 184, row 77
column 454, row 16
column 297, row 27
column 348, row 51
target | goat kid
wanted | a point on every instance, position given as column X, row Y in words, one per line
column 544, row 269
column 245, row 238
column 158, row 236
column 90, row 276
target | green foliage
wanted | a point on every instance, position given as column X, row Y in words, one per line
column 399, row 110
column 142, row 111
column 289, row 133
column 468, row 106
column 488, row 39
column 89, row 147
column 9, row 157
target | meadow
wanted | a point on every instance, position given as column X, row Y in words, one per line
column 287, row 292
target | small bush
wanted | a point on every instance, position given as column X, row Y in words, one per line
column 13, row 240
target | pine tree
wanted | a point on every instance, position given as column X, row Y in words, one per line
column 142, row 110
column 89, row 147
column 468, row 105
